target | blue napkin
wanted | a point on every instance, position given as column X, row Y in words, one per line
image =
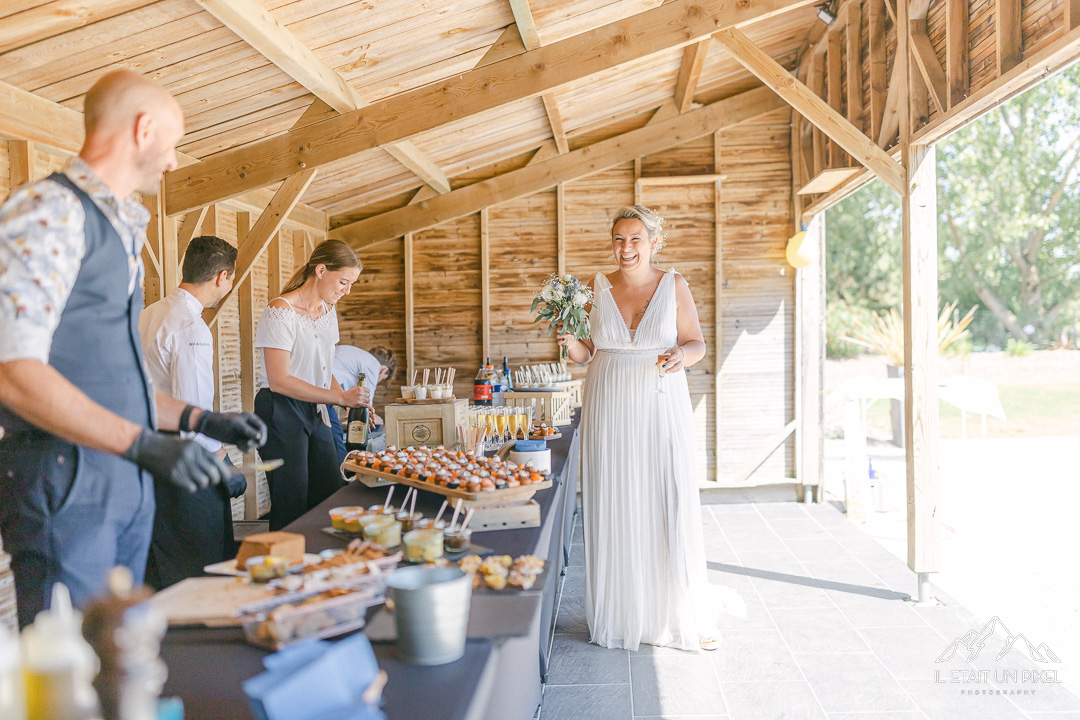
column 530, row 445
column 316, row 680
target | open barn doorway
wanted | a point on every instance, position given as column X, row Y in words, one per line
column 1008, row 205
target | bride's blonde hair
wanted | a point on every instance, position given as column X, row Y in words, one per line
column 649, row 218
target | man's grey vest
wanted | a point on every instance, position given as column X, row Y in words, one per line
column 96, row 345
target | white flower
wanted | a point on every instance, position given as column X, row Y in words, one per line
column 548, row 294
column 581, row 298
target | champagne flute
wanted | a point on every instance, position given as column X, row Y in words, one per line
column 514, row 421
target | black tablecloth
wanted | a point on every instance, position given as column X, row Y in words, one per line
column 499, row 676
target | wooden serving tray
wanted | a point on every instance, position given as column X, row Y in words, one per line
column 425, row 401
column 509, row 496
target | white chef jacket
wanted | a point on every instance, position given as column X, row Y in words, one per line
column 350, row 361
column 179, row 352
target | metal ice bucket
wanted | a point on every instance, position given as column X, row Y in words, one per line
column 431, row 611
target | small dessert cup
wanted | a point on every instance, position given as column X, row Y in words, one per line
column 457, row 540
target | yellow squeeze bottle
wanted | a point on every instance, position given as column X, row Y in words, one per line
column 12, row 702
column 58, row 664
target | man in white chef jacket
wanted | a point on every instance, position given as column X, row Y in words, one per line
column 191, row 530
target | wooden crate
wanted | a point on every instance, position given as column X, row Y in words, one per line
column 552, row 408
column 425, row 424
column 575, row 388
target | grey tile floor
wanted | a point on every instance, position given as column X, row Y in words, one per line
column 829, row 633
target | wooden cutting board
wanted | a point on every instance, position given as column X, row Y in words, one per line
column 207, row 601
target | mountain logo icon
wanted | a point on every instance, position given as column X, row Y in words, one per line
column 973, row 643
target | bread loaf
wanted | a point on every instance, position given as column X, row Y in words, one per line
column 281, row 544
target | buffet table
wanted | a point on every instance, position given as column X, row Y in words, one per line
column 509, row 633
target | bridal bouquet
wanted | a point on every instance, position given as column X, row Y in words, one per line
column 562, row 299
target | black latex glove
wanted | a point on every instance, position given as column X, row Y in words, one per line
column 235, row 486
column 244, row 430
column 183, row 463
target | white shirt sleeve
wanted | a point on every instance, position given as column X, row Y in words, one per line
column 277, row 329
column 191, row 369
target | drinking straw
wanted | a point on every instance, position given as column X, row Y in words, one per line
column 405, row 500
column 441, row 510
column 412, row 507
column 388, row 496
column 426, row 370
column 457, row 509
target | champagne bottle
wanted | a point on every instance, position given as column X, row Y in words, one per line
column 356, row 434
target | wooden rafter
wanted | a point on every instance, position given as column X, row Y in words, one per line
column 693, row 60
column 835, row 61
column 812, row 107
column 815, row 78
column 852, row 35
column 530, row 37
column 1007, row 33
column 20, row 163
column 26, row 116
column 187, row 231
column 268, row 224
column 956, row 54
column 878, row 69
column 561, row 168
column 259, row 28
column 510, row 80
column 929, row 67
column 890, row 117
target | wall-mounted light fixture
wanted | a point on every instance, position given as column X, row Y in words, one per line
column 826, row 15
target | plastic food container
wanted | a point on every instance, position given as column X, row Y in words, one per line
column 264, row 568
column 409, row 521
column 457, row 540
column 423, row 545
column 385, row 532
column 408, row 392
column 430, row 523
column 338, row 515
column 288, row 622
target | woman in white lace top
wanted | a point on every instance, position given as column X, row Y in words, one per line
column 296, row 336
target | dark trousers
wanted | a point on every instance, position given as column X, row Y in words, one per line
column 339, row 435
column 191, row 531
column 69, row 514
column 298, row 436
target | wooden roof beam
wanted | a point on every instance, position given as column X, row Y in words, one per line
column 253, row 24
column 25, row 116
column 524, row 76
column 813, row 108
column 929, row 67
column 266, row 227
column 545, row 174
column 526, row 26
column 693, row 60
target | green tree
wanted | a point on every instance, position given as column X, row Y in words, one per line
column 1009, row 204
column 863, row 249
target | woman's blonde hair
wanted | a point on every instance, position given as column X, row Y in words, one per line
column 334, row 254
column 649, row 218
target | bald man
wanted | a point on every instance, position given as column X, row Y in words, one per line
column 80, row 419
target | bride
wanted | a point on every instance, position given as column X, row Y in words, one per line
column 646, row 579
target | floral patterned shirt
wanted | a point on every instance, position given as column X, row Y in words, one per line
column 41, row 249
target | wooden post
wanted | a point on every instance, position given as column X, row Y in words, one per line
column 300, row 249
column 1072, row 14
column 485, row 285
column 151, row 254
column 410, row 326
column 210, row 227
column 956, row 55
column 637, row 181
column 815, row 80
column 275, row 273
column 810, row 294
column 246, row 304
column 560, row 225
column 718, row 305
column 21, row 163
column 919, row 231
column 170, row 259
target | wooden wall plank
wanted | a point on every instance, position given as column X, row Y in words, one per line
column 1007, row 32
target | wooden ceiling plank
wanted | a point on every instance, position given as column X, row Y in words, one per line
column 57, row 18
column 562, row 168
column 511, row 80
column 853, row 35
column 259, row 28
column 689, row 73
column 509, row 44
column 813, row 108
column 269, row 223
column 926, row 59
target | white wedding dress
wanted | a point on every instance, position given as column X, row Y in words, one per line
column 646, row 579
